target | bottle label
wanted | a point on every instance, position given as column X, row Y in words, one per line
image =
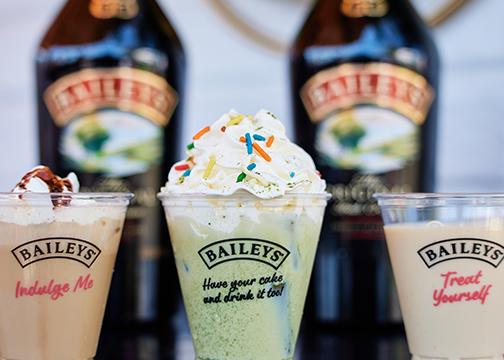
column 107, row 9
column 384, row 85
column 368, row 116
column 368, row 120
column 132, row 90
column 112, row 119
column 361, row 8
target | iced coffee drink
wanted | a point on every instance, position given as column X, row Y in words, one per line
column 57, row 254
column 446, row 253
column 244, row 212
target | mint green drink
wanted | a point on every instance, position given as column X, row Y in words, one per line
column 244, row 211
column 244, row 266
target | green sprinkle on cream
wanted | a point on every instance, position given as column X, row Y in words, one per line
column 241, row 177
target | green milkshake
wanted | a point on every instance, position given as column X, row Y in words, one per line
column 244, row 236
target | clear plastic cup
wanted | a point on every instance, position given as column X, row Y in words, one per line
column 446, row 252
column 244, row 266
column 57, row 254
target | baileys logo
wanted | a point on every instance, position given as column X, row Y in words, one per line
column 55, row 248
column 263, row 251
column 450, row 249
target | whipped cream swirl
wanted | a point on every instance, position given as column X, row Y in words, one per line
column 241, row 153
column 41, row 179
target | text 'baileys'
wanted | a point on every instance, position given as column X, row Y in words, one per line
column 244, row 249
column 79, row 250
column 478, row 249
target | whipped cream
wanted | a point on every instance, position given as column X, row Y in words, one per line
column 39, row 196
column 241, row 153
column 41, row 179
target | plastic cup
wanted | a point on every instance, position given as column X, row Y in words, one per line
column 446, row 252
column 244, row 266
column 57, row 254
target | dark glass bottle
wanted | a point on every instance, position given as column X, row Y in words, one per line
column 364, row 75
column 110, row 78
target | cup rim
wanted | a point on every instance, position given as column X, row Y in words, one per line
column 84, row 198
column 80, row 195
column 244, row 196
column 439, row 199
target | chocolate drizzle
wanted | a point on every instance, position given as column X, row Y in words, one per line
column 54, row 183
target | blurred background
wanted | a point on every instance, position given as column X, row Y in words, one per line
column 236, row 54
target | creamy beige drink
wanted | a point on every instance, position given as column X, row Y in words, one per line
column 447, row 255
column 244, row 225
column 57, row 253
column 451, row 287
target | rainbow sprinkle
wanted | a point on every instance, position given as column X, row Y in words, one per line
column 223, row 129
column 182, row 167
column 292, row 174
column 261, row 152
column 242, row 139
column 270, row 141
column 235, row 120
column 190, row 146
column 187, row 172
column 201, row 132
column 241, row 177
column 209, row 168
column 258, row 137
column 249, row 143
column 251, row 166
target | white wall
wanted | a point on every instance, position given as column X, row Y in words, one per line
column 471, row 126
column 226, row 70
